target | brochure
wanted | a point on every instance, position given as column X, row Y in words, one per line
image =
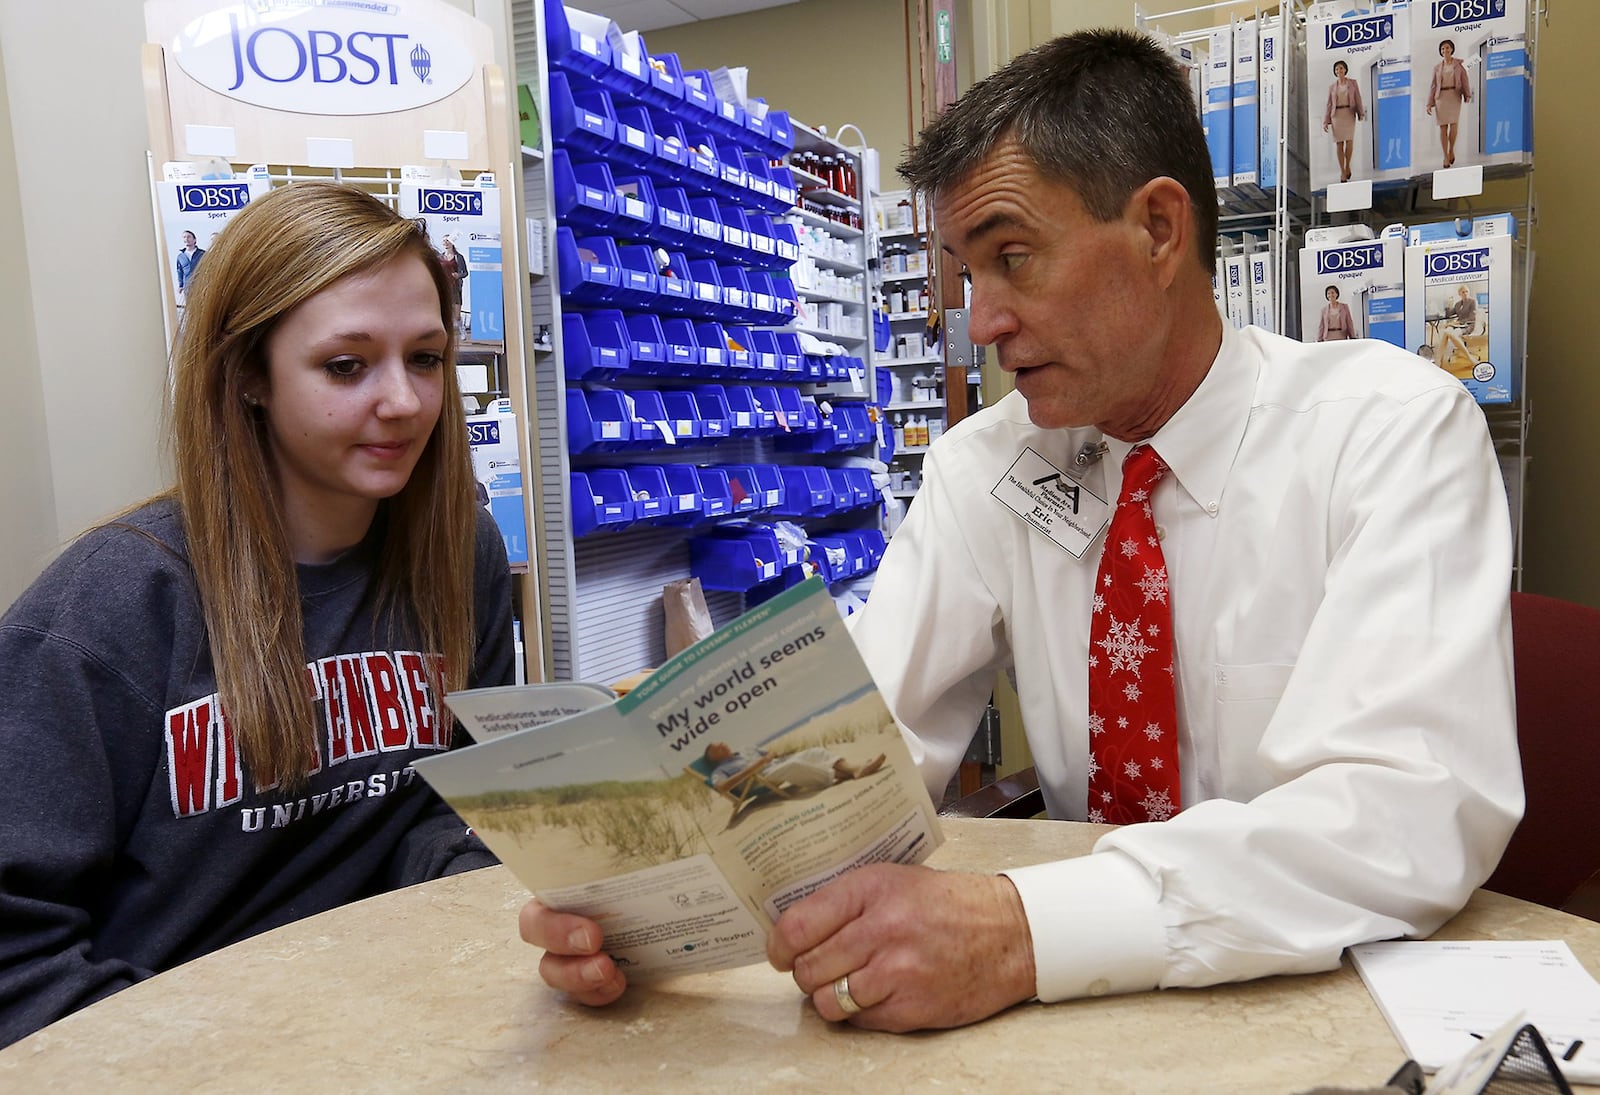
column 748, row 771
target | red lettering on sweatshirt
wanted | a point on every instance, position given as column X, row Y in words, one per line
column 416, row 679
column 394, row 727
column 357, row 714
column 189, row 757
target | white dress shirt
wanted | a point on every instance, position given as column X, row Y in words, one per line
column 1339, row 557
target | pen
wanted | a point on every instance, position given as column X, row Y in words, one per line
column 1572, row 1050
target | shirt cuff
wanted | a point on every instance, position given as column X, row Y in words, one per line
column 1096, row 926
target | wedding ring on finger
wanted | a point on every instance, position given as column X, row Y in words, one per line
column 841, row 993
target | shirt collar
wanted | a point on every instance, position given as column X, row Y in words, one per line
column 1199, row 442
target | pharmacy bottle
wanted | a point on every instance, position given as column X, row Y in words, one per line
column 899, row 432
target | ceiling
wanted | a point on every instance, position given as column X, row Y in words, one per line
column 646, row 15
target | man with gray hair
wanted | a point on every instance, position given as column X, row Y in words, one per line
column 1253, row 594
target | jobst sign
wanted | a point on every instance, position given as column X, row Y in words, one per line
column 325, row 56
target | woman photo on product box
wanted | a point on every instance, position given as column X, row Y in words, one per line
column 214, row 699
column 1451, row 86
column 1335, row 323
column 1343, row 111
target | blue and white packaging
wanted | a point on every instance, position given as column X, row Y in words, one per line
column 1236, row 285
column 1373, row 43
column 1366, row 278
column 1217, row 116
column 1463, row 228
column 1283, row 112
column 497, row 466
column 194, row 211
column 469, row 217
column 1462, row 314
column 1487, row 46
column 1246, row 163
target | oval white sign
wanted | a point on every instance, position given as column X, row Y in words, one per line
column 325, row 56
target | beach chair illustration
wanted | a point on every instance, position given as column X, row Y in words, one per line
column 743, row 787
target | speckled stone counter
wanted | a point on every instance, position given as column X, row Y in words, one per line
column 430, row 989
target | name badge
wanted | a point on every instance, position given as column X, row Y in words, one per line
column 1053, row 502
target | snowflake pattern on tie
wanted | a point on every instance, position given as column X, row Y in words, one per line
column 1133, row 769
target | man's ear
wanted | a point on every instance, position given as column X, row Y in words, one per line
column 1162, row 210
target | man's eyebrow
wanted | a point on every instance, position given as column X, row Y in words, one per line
column 989, row 225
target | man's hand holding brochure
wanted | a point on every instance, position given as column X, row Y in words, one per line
column 748, row 771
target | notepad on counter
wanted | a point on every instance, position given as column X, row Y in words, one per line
column 1440, row 997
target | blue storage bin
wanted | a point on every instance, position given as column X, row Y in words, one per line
column 707, row 223
column 872, row 540
column 735, row 292
column 683, row 493
column 585, row 196
column 584, row 120
column 666, row 81
column 762, row 303
column 762, row 241
column 636, row 206
column 571, row 50
column 862, row 491
column 730, row 168
column 843, row 494
column 683, row 415
column 781, row 139
column 674, row 224
column 787, row 243
column 586, row 280
column 635, row 141
column 810, row 414
column 767, row 406
column 697, row 97
column 746, row 417
column 707, row 286
column 716, row 416
column 756, row 122
column 742, row 489
column 759, row 192
column 859, row 420
column 724, row 117
column 704, row 173
column 683, row 349
column 596, row 421
column 791, row 412
column 734, row 559
column 649, row 487
column 637, row 287
column 715, row 499
column 764, row 351
column 845, row 558
column 736, row 231
column 601, row 500
column 714, row 348
column 647, row 344
column 647, row 418
column 594, row 345
column 792, row 358
column 784, row 297
column 806, row 491
column 671, row 148
column 628, row 74
column 769, row 486
column 673, row 287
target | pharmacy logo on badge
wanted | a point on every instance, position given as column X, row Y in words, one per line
column 1483, row 372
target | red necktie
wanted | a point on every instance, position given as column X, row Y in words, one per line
column 1133, row 717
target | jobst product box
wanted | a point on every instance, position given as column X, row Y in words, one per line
column 193, row 212
column 1359, row 119
column 1283, row 111
column 1236, row 269
column 1353, row 290
column 468, row 217
column 1462, row 314
column 497, row 467
column 1472, row 70
column 1462, row 228
column 1217, row 116
column 1263, row 300
column 1246, row 105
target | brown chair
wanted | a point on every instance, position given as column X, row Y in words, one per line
column 1556, row 849
column 1554, row 855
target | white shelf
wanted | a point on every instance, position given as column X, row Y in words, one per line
column 830, row 336
column 913, row 405
column 843, row 231
column 818, row 294
column 889, row 234
column 896, row 362
column 531, row 153
column 904, row 493
column 839, row 265
column 911, row 450
column 820, row 190
column 909, row 275
column 897, row 317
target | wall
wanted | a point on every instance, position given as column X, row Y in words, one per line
column 28, row 529
column 826, row 62
column 77, row 155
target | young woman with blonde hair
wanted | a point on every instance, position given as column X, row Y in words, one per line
column 213, row 701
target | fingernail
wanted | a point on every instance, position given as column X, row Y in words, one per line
column 593, row 972
column 578, row 940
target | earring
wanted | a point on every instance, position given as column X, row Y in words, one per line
column 251, row 399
